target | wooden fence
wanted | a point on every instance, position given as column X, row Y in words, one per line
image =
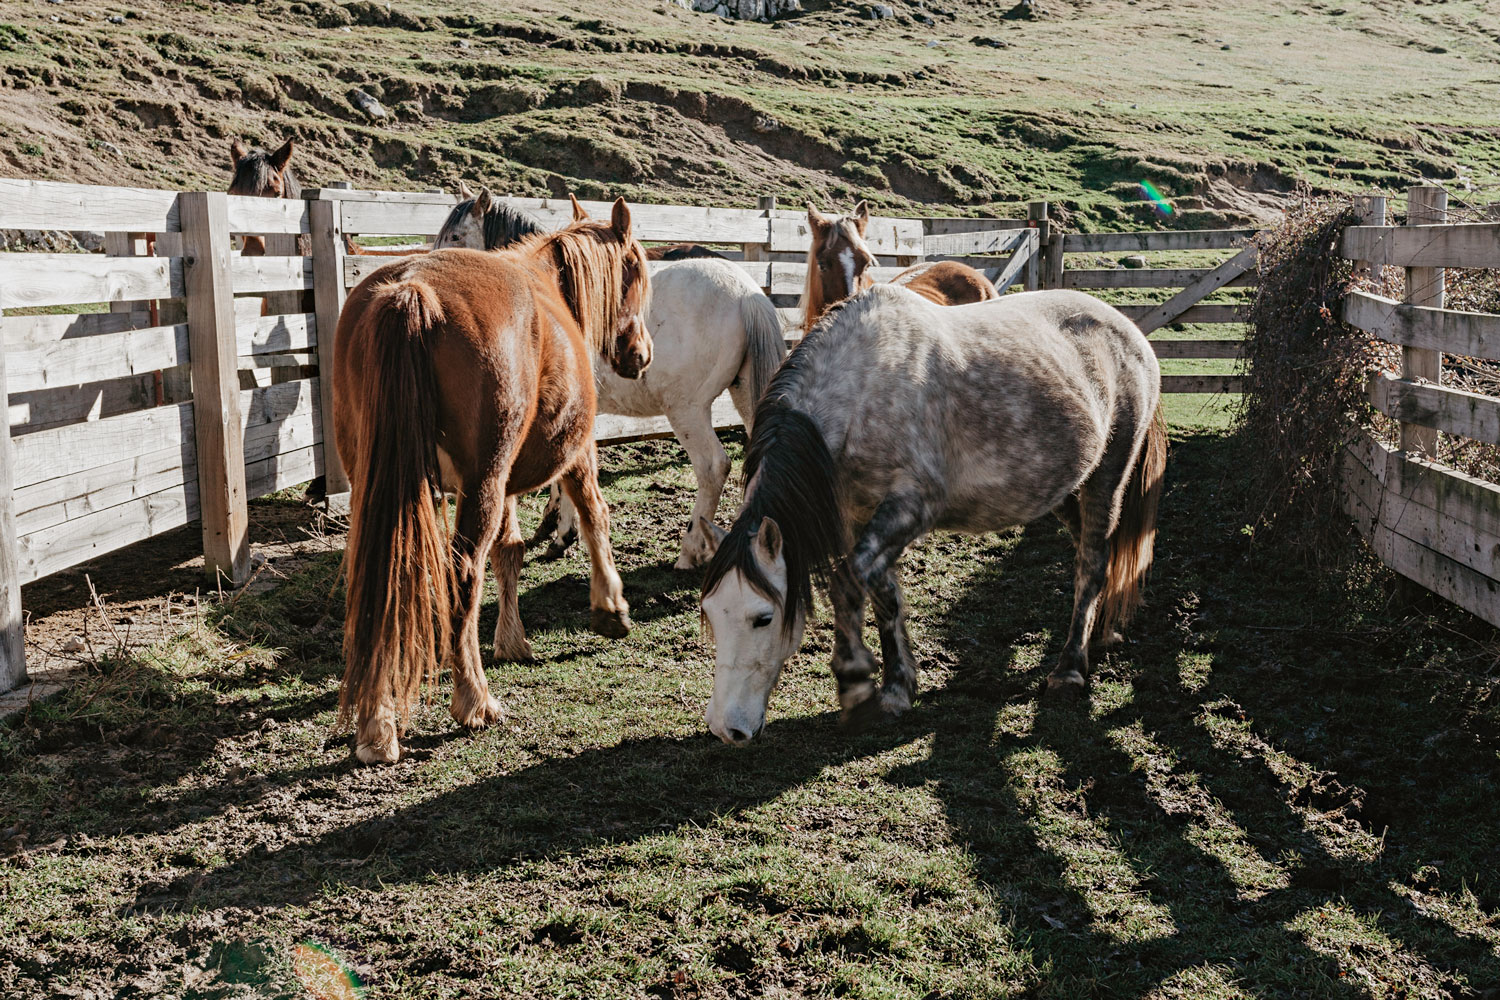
column 198, row 388
column 1430, row 523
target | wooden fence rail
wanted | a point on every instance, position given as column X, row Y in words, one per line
column 1434, row 525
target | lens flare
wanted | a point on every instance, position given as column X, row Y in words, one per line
column 323, row 974
column 1156, row 198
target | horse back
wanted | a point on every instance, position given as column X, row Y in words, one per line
column 513, row 376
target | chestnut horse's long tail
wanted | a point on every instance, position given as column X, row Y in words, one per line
column 397, row 560
column 1133, row 543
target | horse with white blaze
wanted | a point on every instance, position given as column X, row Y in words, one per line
column 895, row 417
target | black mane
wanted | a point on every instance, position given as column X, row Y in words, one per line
column 794, row 484
column 503, row 225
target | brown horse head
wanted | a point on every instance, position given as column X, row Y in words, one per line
column 837, row 260
column 602, row 270
column 262, row 174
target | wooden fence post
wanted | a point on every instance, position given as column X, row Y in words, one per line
column 1426, row 206
column 12, row 624
column 1053, row 265
column 1037, row 214
column 326, row 222
column 218, row 427
column 762, row 251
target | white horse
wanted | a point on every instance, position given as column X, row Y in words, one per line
column 712, row 329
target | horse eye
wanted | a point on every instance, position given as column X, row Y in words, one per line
column 761, row 621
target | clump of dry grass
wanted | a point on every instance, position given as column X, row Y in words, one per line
column 1307, row 371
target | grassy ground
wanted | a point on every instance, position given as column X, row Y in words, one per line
column 1280, row 788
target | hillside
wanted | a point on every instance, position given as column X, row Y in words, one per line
column 1226, row 107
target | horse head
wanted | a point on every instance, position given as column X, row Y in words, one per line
column 837, row 259
column 629, row 349
column 261, row 174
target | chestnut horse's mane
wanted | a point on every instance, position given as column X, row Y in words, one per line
column 601, row 278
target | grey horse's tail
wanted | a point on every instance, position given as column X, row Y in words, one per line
column 1134, row 541
column 765, row 348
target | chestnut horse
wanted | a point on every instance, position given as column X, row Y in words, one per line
column 838, row 262
column 471, row 373
column 262, row 174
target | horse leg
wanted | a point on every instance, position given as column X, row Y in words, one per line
column 559, row 523
column 902, row 517
column 694, row 428
column 853, row 663
column 609, row 613
column 506, row 558
column 479, row 518
column 1098, row 505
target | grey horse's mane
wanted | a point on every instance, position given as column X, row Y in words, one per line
column 793, row 482
column 503, row 225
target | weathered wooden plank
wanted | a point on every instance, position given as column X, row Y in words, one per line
column 46, row 409
column 1439, row 572
column 25, row 332
column 74, row 448
column 790, row 279
column 1188, row 239
column 611, row 428
column 262, row 216
column 271, row 274
column 1473, row 335
column 219, row 445
column 1468, row 414
column 1216, row 278
column 12, row 624
column 1198, row 349
column 141, row 474
column 1019, row 264
column 96, row 359
column 981, row 242
column 1147, row 277
column 280, row 418
column 49, row 550
column 898, row 237
column 50, row 205
column 288, row 332
column 943, row 227
column 1196, row 314
column 1459, row 245
column 329, row 283
column 1203, row 383
column 56, row 279
column 1454, row 494
column 284, row 469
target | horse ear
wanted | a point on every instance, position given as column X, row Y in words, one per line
column 464, row 191
column 712, row 534
column 579, row 215
column 817, row 220
column 861, row 217
column 282, row 156
column 237, row 152
column 768, row 540
column 619, row 218
column 483, row 203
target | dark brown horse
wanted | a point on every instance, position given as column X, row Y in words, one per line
column 262, row 174
column 471, row 373
column 838, row 264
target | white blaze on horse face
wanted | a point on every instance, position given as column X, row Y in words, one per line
column 750, row 648
column 846, row 258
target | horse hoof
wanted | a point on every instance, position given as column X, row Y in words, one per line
column 553, row 553
column 520, row 653
column 610, row 624
column 1065, row 686
column 378, row 753
column 486, row 714
column 866, row 714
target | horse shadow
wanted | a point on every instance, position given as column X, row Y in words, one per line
column 1163, row 820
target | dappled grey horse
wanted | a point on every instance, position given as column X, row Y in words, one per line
column 896, row 416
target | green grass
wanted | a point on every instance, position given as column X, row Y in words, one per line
column 1279, row 788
